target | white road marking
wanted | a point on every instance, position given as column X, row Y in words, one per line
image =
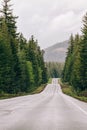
column 78, row 107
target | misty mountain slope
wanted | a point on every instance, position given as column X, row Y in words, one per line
column 57, row 52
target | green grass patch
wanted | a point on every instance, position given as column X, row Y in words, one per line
column 6, row 95
column 50, row 81
column 32, row 91
column 67, row 89
column 38, row 90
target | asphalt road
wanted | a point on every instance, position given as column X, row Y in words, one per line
column 49, row 110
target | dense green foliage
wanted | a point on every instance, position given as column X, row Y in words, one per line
column 75, row 69
column 22, row 65
column 69, row 91
column 54, row 69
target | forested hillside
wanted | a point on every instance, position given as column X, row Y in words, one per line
column 54, row 69
column 75, row 69
column 22, row 65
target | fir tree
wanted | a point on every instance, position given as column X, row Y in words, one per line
column 83, row 54
column 69, row 61
column 10, row 22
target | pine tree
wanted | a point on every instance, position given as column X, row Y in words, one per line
column 6, row 68
column 10, row 22
column 22, row 66
column 22, row 43
column 32, row 57
column 69, row 61
column 76, row 69
column 35, row 56
column 83, row 54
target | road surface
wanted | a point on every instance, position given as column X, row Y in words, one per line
column 49, row 110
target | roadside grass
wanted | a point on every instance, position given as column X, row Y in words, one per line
column 32, row 91
column 67, row 89
column 38, row 90
column 6, row 95
column 50, row 81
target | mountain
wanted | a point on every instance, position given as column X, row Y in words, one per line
column 57, row 52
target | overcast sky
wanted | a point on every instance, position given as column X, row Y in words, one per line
column 50, row 21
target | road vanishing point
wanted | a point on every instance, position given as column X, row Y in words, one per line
column 49, row 110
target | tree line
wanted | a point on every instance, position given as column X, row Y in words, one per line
column 75, row 68
column 54, row 69
column 22, row 65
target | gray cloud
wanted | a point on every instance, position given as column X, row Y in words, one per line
column 50, row 21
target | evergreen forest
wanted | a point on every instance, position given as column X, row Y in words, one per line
column 75, row 68
column 22, row 65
